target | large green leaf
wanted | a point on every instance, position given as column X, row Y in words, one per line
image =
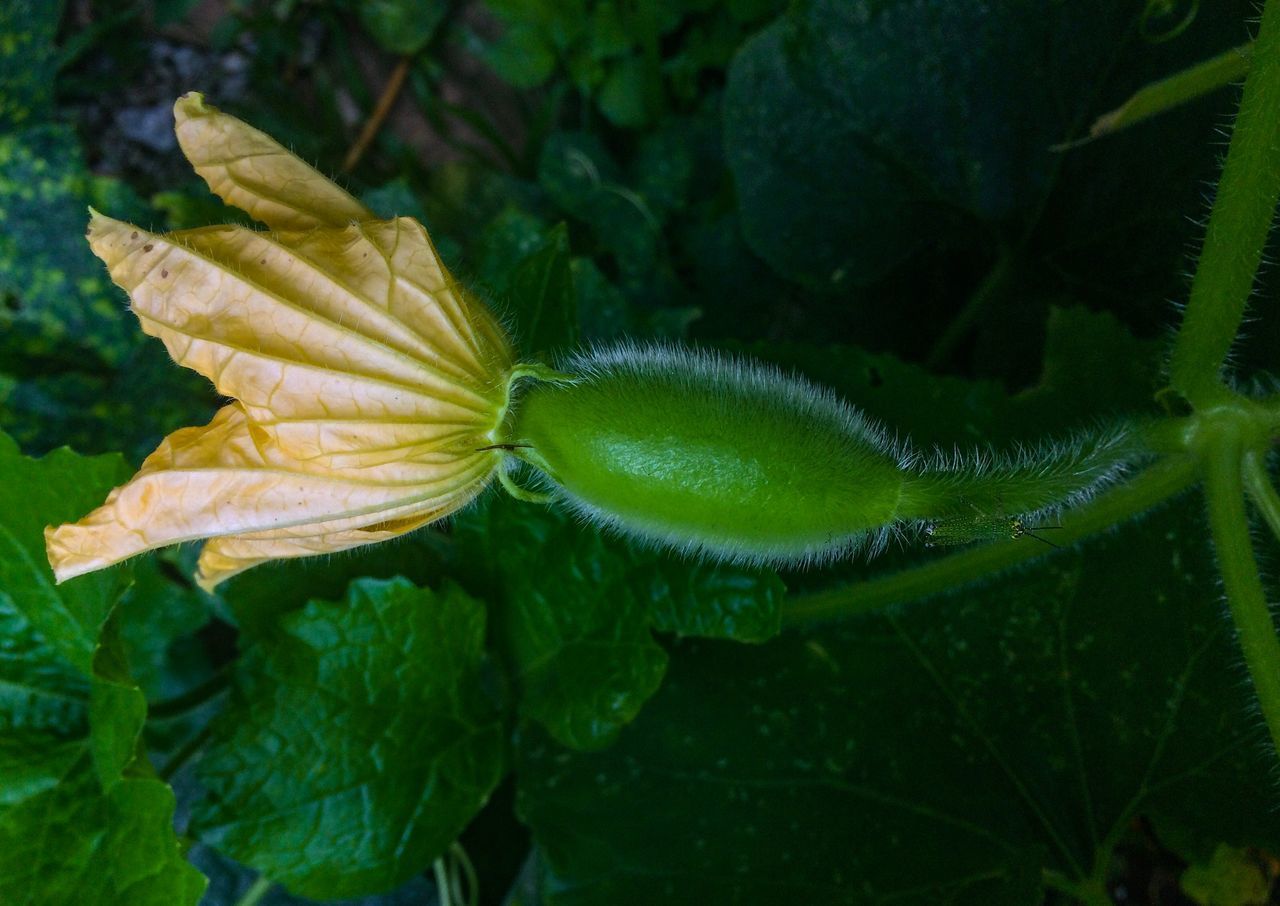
column 542, row 293
column 77, row 844
column 57, row 293
column 859, row 133
column 950, row 751
column 35, row 493
column 359, row 742
column 80, row 819
column 573, row 612
column 402, row 26
column 28, row 59
column 572, row 624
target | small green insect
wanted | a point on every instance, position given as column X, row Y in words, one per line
column 962, row 528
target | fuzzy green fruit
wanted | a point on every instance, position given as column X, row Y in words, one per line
column 706, row 453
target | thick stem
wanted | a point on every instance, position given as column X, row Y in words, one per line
column 1256, row 631
column 1157, row 483
column 1238, row 227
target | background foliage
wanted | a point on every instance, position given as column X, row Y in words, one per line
column 865, row 192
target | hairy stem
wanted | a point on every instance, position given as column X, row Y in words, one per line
column 1238, row 227
column 1161, row 481
column 1263, row 495
column 1256, row 631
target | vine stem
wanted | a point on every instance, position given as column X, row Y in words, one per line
column 1159, row 482
column 257, row 890
column 386, row 101
column 1229, row 526
column 1090, row 892
column 1238, row 228
column 192, row 699
column 1261, row 492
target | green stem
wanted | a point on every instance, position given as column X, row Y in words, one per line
column 1263, row 495
column 191, row 699
column 995, row 283
column 1089, row 892
column 257, row 890
column 1229, row 525
column 184, row 753
column 1238, row 227
column 1159, row 482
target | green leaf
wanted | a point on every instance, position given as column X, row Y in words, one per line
column 1002, row 730
column 76, row 844
column 580, row 176
column 117, row 711
column 715, row 600
column 572, row 613
column 542, row 295
column 857, row 134
column 624, row 95
column 259, row 600
column 28, row 60
column 402, row 26
column 159, row 616
column 359, row 742
column 1232, row 877
column 569, row 619
column 73, row 829
column 522, row 56
column 34, row 493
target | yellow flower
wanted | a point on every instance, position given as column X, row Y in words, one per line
column 365, row 381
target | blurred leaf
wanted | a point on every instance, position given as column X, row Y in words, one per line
column 28, row 60
column 580, row 176
column 57, row 293
column 34, row 493
column 358, row 744
column 188, row 208
column 542, row 297
column 856, row 134
column 1001, row 730
column 395, row 198
column 402, row 26
column 169, row 12
column 1231, row 877
column 522, row 56
column 1093, row 368
column 623, row 96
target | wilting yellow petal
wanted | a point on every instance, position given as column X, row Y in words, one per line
column 367, row 382
column 250, row 170
column 352, row 347
column 222, row 558
column 222, row 479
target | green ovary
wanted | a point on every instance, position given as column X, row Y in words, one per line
column 704, row 453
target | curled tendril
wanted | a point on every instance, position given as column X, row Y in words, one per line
column 1158, row 12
